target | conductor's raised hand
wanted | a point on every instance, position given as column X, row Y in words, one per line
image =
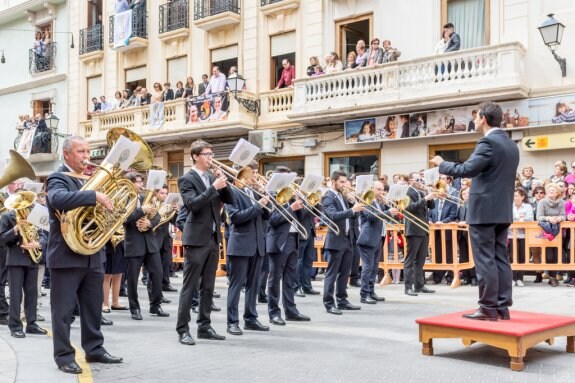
column 437, row 160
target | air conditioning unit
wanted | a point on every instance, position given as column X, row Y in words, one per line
column 266, row 140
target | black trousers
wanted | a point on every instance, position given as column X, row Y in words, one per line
column 517, row 275
column 355, row 273
column 152, row 263
column 304, row 267
column 23, row 279
column 166, row 262
column 283, row 272
column 494, row 276
column 84, row 287
column 264, row 274
column 438, row 275
column 3, row 277
column 200, row 262
column 370, row 257
column 414, row 262
column 243, row 271
column 338, row 269
column 463, row 245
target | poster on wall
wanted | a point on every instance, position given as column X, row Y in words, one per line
column 552, row 110
column 212, row 107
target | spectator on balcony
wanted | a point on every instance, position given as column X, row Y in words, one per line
column 203, row 85
column 361, row 54
column 313, row 62
column 39, row 52
column 454, row 43
column 217, row 82
column 350, row 64
column 122, row 6
column 563, row 113
column 374, row 53
column 179, row 89
column 106, row 106
column 125, row 99
column 287, row 77
column 442, row 43
column 42, row 141
column 97, row 107
column 46, row 37
column 389, row 54
column 118, row 100
column 145, row 97
column 333, row 63
column 157, row 93
column 318, row 71
column 168, row 94
column 190, row 88
column 134, row 99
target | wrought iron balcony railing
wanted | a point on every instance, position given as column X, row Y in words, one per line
column 43, row 142
column 91, row 39
column 268, row 2
column 42, row 58
column 206, row 8
column 173, row 16
column 139, row 24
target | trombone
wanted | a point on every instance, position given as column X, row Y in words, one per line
column 366, row 199
column 401, row 205
column 309, row 201
column 441, row 187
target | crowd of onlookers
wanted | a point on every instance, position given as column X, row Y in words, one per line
column 34, row 135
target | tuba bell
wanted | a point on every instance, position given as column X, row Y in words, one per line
column 87, row 229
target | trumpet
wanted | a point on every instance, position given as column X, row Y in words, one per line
column 366, row 199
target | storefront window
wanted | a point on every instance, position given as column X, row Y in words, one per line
column 355, row 163
column 296, row 165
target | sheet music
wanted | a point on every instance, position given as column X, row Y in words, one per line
column 39, row 217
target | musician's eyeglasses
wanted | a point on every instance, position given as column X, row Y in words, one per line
column 209, row 154
column 539, row 192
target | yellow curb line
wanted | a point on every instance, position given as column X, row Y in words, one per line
column 86, row 375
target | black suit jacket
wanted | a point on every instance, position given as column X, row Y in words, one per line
column 202, row 88
column 448, row 212
column 492, row 168
column 16, row 256
column 203, row 206
column 308, row 221
column 419, row 207
column 246, row 233
column 64, row 194
column 278, row 229
column 371, row 226
column 338, row 214
column 137, row 243
column 163, row 237
column 168, row 95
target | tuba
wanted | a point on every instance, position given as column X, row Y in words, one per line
column 21, row 202
column 17, row 168
column 87, row 229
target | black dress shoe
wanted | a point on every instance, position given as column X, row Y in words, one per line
column 299, row 293
column 298, row 318
column 355, row 284
column 262, row 299
column 217, row 295
column 195, row 309
column 348, row 306
column 334, row 311
column 473, row 282
column 255, row 325
column 480, row 315
column 311, row 292
column 425, row 290
column 104, row 358
column 106, row 322
column 278, row 321
column 368, row 300
column 159, row 312
column 34, row 329
column 209, row 333
column 169, row 288
column 186, row 338
column 119, row 308
column 234, row 329
column 503, row 314
column 136, row 314
column 18, row 334
column 377, row 297
column 410, row 292
column 4, row 321
column 70, row 368
column 215, row 308
column 165, row 301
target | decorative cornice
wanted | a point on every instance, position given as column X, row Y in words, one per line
column 33, row 84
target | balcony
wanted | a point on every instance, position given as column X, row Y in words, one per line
column 213, row 14
column 42, row 59
column 175, row 126
column 275, row 107
column 270, row 7
column 43, row 147
column 458, row 78
column 92, row 42
column 139, row 36
column 173, row 22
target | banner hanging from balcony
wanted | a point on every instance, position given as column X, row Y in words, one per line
column 156, row 115
column 122, row 28
column 212, row 107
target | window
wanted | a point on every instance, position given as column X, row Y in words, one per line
column 453, row 152
column 360, row 162
column 94, row 90
column 296, row 164
column 42, row 107
column 282, row 47
column 135, row 77
column 176, row 168
column 349, row 31
column 177, row 70
column 471, row 20
column 94, row 12
column 225, row 58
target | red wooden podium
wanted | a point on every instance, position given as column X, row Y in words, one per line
column 523, row 331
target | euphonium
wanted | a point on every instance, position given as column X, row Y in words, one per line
column 166, row 212
column 17, row 168
column 87, row 229
column 20, row 202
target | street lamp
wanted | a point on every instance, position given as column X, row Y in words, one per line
column 52, row 122
column 236, row 85
column 3, row 59
column 552, row 33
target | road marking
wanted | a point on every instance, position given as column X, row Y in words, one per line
column 86, row 375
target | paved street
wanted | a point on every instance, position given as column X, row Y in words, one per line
column 378, row 343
